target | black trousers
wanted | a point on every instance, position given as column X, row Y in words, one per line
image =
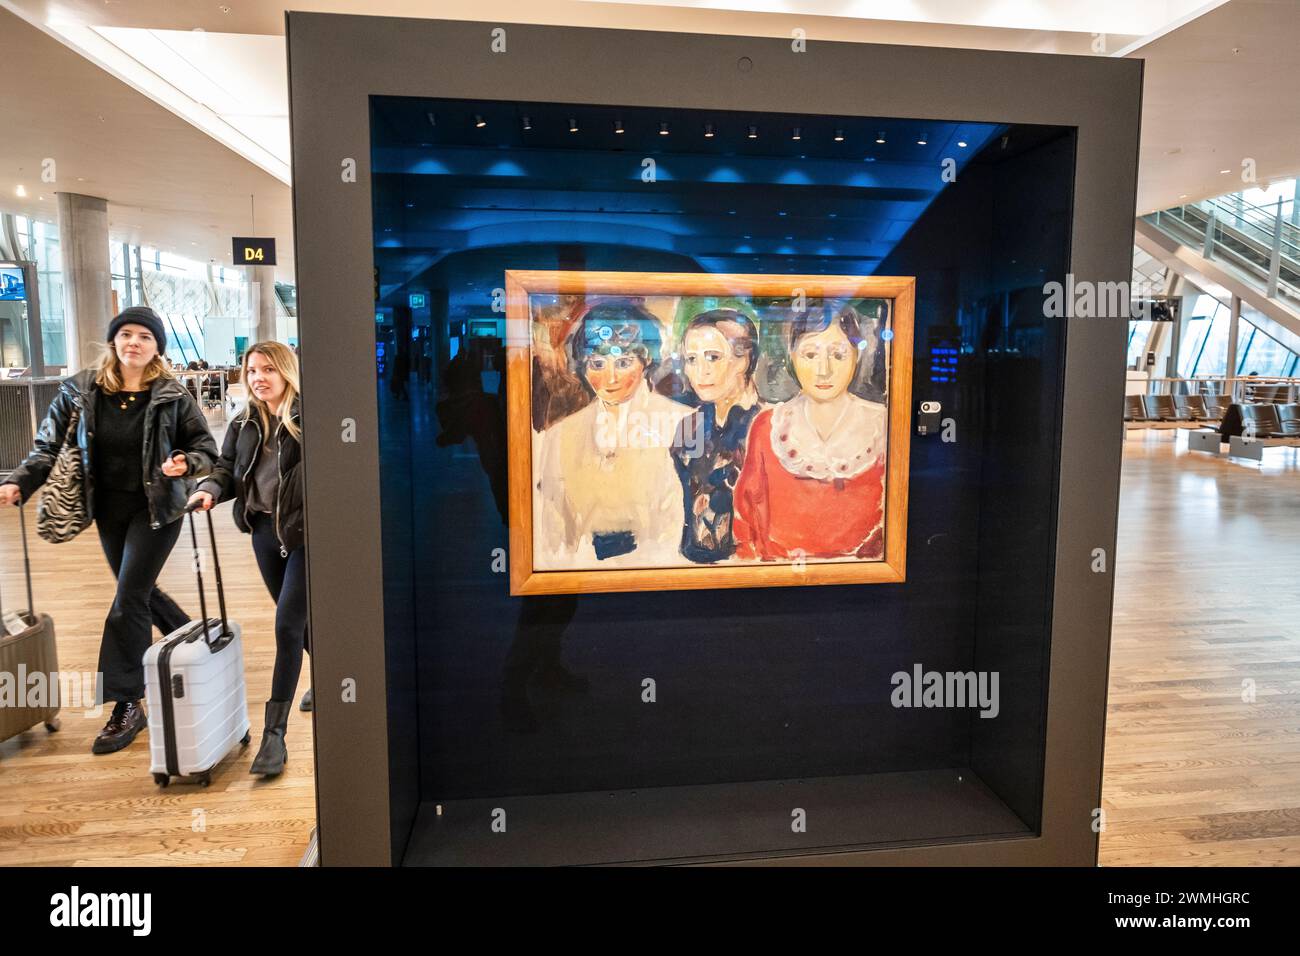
column 286, row 579
column 136, row 553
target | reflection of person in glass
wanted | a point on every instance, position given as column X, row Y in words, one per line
column 607, row 482
column 813, row 482
column 719, row 352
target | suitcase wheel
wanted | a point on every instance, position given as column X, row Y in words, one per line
column 205, row 778
column 247, row 737
column 161, row 779
column 52, row 725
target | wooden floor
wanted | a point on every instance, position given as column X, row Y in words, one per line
column 1207, row 602
column 1206, row 599
column 61, row 805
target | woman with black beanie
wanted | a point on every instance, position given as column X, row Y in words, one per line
column 141, row 436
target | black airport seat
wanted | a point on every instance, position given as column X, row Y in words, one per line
column 1230, row 422
column 1191, row 407
column 1134, row 411
column 1160, row 408
column 1289, row 418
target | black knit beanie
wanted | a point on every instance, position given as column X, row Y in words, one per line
column 140, row 315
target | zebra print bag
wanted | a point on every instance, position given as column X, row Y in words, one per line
column 61, row 515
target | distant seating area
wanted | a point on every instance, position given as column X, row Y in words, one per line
column 1265, row 415
column 1174, row 411
column 1249, row 428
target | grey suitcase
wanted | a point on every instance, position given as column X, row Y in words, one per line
column 194, row 687
column 27, row 648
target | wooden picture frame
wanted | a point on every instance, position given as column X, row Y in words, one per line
column 522, row 287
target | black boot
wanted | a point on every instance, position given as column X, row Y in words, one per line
column 308, row 701
column 124, row 723
column 272, row 754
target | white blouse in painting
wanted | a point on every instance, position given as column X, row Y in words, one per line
column 607, row 494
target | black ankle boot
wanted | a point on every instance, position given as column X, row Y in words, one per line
column 272, row 754
column 124, row 723
column 308, row 701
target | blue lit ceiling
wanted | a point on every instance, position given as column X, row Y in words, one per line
column 464, row 189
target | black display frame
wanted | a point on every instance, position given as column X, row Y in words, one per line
column 366, row 774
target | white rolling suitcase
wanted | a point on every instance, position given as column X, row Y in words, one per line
column 194, row 686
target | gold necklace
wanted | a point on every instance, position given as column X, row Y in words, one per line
column 130, row 397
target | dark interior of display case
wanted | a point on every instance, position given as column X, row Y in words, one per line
column 769, row 701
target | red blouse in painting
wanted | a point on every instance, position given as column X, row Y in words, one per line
column 799, row 495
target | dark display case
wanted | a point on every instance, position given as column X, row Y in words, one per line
column 953, row 713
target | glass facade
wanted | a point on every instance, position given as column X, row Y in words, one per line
column 210, row 311
column 1263, row 347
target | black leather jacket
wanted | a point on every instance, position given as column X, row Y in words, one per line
column 239, row 453
column 173, row 422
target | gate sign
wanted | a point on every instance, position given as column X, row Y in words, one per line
column 253, row 251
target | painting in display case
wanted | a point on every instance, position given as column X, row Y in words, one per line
column 681, row 430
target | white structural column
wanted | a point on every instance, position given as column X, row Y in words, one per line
column 87, row 286
column 263, row 279
column 1234, row 323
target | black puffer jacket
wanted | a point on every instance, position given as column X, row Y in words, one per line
column 173, row 422
column 239, row 453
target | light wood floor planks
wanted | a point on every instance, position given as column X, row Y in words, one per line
column 1206, row 598
column 61, row 805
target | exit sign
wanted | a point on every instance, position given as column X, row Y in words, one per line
column 252, row 251
column 418, row 300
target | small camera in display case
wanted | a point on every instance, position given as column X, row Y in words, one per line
column 927, row 417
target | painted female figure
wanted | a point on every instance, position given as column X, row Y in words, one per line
column 813, row 482
column 607, row 490
column 719, row 352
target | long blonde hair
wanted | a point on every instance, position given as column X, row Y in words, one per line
column 108, row 370
column 285, row 362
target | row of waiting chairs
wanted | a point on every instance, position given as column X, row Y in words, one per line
column 1262, row 421
column 1176, row 408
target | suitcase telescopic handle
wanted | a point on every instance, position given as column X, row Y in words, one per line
column 198, row 572
column 27, row 564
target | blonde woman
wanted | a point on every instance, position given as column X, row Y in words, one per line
column 141, row 436
column 261, row 469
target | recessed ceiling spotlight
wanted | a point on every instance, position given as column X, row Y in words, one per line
column 839, row 136
column 1183, row 196
column 961, row 144
column 573, row 125
column 753, row 132
column 663, row 129
column 21, row 191
column 708, row 131
column 880, row 137
column 1225, row 171
column 618, row 127
column 921, row 141
column 479, row 121
column 528, row 124
column 796, row 135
